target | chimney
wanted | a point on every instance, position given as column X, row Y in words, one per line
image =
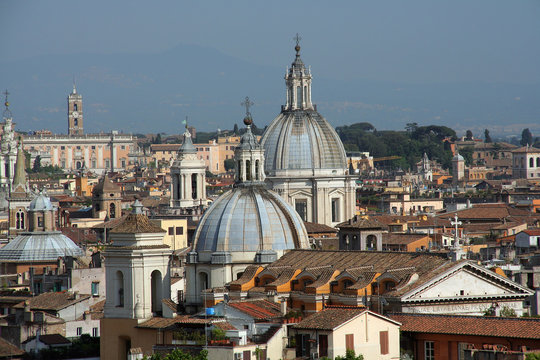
column 283, row 307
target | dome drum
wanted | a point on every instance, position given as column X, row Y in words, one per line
column 221, row 257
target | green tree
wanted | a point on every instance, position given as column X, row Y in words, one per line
column 526, row 137
column 350, row 355
column 507, row 312
column 235, row 129
column 486, row 136
column 467, row 153
column 468, row 135
column 411, row 127
column 229, row 164
column 37, row 164
column 178, row 354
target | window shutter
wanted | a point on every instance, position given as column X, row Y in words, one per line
column 383, row 338
column 349, row 341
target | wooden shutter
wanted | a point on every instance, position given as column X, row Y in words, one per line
column 246, row 355
column 349, row 341
column 383, row 339
column 323, row 345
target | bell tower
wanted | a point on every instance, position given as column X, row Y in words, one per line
column 75, row 113
column 188, row 178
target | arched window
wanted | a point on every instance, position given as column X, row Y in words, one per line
column 21, row 214
column 256, row 169
column 248, row 170
column 371, row 242
column 298, row 97
column 305, row 94
column 203, row 281
column 194, row 186
column 119, row 289
column 157, row 291
column 531, row 162
column 18, row 221
column 239, row 170
column 112, row 211
column 538, row 162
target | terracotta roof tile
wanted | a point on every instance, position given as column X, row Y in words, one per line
column 401, row 239
column 312, row 228
column 470, row 325
column 53, row 301
column 54, row 339
column 162, row 323
column 329, row 319
column 136, row 224
column 7, row 349
column 259, row 309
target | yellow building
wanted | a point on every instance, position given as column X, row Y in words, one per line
column 176, row 232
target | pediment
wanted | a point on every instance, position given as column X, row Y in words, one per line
column 467, row 281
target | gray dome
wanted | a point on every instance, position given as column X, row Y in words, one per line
column 458, row 157
column 44, row 246
column 250, row 218
column 302, row 139
column 41, row 203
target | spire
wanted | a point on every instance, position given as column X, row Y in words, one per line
column 187, row 144
column 74, row 87
column 19, row 179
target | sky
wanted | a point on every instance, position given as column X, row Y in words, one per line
column 418, row 42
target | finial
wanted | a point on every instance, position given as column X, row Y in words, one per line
column 247, row 103
column 297, row 38
column 185, row 122
column 6, row 103
column 137, row 207
column 7, row 113
column 74, row 87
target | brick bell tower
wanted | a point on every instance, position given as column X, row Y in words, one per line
column 75, row 113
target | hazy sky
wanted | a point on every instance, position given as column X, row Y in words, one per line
column 490, row 40
column 416, row 41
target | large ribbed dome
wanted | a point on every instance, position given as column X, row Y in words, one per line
column 250, row 219
column 302, row 139
column 39, row 246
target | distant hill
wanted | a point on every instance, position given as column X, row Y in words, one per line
column 154, row 92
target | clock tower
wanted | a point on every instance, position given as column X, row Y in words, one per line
column 75, row 113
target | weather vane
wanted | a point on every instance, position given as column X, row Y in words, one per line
column 247, row 104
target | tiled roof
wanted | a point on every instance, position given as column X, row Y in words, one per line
column 248, row 274
column 361, row 223
column 401, row 239
column 427, row 265
column 526, row 149
column 312, row 228
column 532, row 232
column 7, row 349
column 170, row 304
column 224, row 325
column 329, row 319
column 136, row 224
column 54, row 301
column 161, row 323
column 53, row 339
column 488, row 211
column 470, row 325
column 258, row 309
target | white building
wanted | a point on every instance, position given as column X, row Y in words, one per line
column 305, row 158
column 526, row 163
